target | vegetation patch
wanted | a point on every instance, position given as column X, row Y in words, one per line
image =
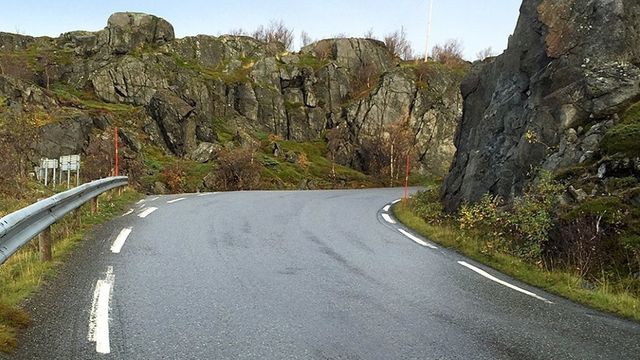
column 311, row 61
column 589, row 252
column 623, row 137
column 230, row 75
column 180, row 175
column 604, row 294
column 308, row 162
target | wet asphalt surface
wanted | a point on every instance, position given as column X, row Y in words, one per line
column 300, row 275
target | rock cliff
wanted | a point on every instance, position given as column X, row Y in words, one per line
column 189, row 95
column 571, row 69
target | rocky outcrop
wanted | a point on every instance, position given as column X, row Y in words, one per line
column 130, row 30
column 199, row 89
column 353, row 53
column 571, row 66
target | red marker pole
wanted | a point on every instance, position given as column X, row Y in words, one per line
column 116, row 170
column 406, row 183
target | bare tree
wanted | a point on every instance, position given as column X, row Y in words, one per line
column 336, row 138
column 387, row 152
column 238, row 32
column 370, row 34
column 277, row 31
column 450, row 53
column 305, row 39
column 399, row 45
column 18, row 133
column 485, row 53
column 238, row 169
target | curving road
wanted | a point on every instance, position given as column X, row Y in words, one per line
column 297, row 275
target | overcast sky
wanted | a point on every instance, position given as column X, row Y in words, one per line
column 477, row 23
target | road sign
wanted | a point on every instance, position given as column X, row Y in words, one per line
column 45, row 165
column 49, row 163
column 70, row 163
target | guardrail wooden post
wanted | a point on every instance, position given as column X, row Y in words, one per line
column 94, row 205
column 44, row 240
column 77, row 213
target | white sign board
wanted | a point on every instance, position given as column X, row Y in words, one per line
column 70, row 163
column 49, row 163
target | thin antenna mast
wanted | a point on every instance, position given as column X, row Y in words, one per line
column 426, row 51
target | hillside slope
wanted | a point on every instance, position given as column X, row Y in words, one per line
column 184, row 102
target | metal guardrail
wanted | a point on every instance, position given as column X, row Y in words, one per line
column 18, row 228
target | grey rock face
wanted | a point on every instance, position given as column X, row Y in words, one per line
column 130, row 30
column 174, row 118
column 197, row 88
column 569, row 63
column 64, row 138
column 205, row 152
column 353, row 53
column 128, row 80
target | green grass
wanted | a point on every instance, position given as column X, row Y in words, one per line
column 623, row 137
column 316, row 167
column 605, row 296
column 23, row 273
column 158, row 165
column 221, row 71
column 309, row 60
column 71, row 96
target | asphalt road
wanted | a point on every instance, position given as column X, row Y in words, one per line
column 297, row 275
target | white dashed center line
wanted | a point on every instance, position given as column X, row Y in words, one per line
column 175, row 200
column 99, row 317
column 128, row 212
column 147, row 212
column 388, row 219
column 502, row 282
column 119, row 242
column 416, row 239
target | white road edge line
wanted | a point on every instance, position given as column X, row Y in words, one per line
column 175, row 200
column 128, row 212
column 147, row 212
column 206, row 194
column 140, row 202
column 388, row 219
column 99, row 317
column 416, row 239
column 119, row 242
column 502, row 282
column 386, row 208
column 155, row 198
column 396, row 201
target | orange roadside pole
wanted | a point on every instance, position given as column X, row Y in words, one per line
column 116, row 170
column 406, row 184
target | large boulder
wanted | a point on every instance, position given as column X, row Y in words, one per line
column 68, row 137
column 175, row 119
column 569, row 64
column 128, row 30
column 353, row 53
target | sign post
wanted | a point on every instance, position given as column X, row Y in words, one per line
column 70, row 163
